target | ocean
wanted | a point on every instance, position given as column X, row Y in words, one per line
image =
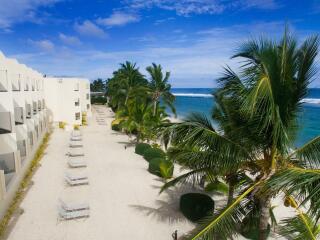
column 190, row 100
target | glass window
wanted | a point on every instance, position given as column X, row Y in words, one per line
column 22, row 147
column 5, row 122
column 78, row 116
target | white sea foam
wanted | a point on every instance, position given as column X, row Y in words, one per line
column 311, row 100
column 193, row 95
column 203, row 95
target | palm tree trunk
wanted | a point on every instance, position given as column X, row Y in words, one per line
column 265, row 204
column 230, row 193
column 154, row 108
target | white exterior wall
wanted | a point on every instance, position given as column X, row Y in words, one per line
column 85, row 97
column 61, row 95
column 15, row 93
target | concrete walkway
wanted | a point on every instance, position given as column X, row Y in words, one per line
column 122, row 194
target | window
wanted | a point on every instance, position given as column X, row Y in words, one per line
column 88, row 106
column 3, row 81
column 34, row 107
column 39, row 105
column 88, row 96
column 77, row 116
column 77, row 103
column 5, row 122
column 37, row 131
column 22, row 147
column 7, row 164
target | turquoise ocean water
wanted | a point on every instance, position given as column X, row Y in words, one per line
column 200, row 100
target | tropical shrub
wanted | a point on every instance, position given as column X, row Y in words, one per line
column 161, row 167
column 141, row 148
column 98, row 100
column 154, row 153
column 62, row 125
column 115, row 125
column 166, row 169
column 195, row 206
column 217, row 186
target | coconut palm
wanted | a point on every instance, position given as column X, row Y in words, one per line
column 257, row 113
column 160, row 88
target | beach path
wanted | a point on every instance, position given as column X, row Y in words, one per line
column 123, row 196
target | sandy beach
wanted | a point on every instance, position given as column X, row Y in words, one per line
column 123, row 196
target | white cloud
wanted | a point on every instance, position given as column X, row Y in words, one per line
column 69, row 40
column 15, row 11
column 43, row 45
column 189, row 7
column 88, row 28
column 118, row 19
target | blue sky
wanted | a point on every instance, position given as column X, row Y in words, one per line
column 193, row 39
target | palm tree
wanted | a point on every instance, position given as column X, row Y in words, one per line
column 256, row 113
column 160, row 88
column 131, row 79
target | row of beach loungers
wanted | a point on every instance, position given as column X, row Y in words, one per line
column 69, row 211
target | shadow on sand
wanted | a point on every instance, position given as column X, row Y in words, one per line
column 167, row 209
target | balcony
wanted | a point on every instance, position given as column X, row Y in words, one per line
column 22, row 147
column 34, row 107
column 30, row 138
column 16, row 85
column 5, row 123
column 39, row 105
column 43, row 104
column 18, row 115
column 7, row 164
column 28, row 111
column 76, row 87
column 3, row 81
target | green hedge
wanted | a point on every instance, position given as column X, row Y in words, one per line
column 116, row 127
column 195, row 206
column 141, row 148
column 154, row 153
column 161, row 167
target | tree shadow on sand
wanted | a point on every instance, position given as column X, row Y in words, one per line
column 167, row 209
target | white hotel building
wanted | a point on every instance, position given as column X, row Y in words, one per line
column 28, row 102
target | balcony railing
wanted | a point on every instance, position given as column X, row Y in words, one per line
column 7, row 164
column 5, row 122
column 3, row 81
column 22, row 147
column 18, row 115
column 28, row 111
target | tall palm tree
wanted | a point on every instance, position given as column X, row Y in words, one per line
column 131, row 79
column 257, row 112
column 160, row 88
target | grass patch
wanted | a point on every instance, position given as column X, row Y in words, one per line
column 24, row 184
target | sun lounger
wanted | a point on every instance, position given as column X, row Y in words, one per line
column 76, row 163
column 76, row 180
column 75, row 152
column 65, row 215
column 76, row 133
column 75, row 138
column 72, row 207
column 75, row 144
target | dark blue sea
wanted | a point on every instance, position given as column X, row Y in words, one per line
column 200, row 100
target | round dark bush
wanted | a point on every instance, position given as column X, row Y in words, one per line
column 195, row 206
column 141, row 148
column 161, row 167
column 153, row 153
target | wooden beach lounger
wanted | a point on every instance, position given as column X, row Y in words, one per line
column 73, row 207
column 76, row 133
column 77, row 163
column 75, row 144
column 75, row 152
column 64, row 215
column 75, row 138
column 76, row 180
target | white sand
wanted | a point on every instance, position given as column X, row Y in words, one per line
column 122, row 194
